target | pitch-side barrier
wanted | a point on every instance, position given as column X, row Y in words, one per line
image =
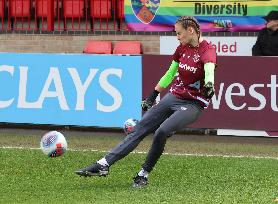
column 105, row 90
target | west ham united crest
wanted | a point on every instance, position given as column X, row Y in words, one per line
column 145, row 10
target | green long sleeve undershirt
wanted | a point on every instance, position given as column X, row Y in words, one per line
column 170, row 74
column 209, row 72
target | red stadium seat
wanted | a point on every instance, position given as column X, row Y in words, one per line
column 98, row 47
column 41, row 8
column 120, row 9
column 100, row 8
column 2, row 6
column 127, row 47
column 73, row 8
column 19, row 8
column 19, row 14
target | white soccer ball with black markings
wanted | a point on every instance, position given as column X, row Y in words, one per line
column 53, row 144
column 129, row 125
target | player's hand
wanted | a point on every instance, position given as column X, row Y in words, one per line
column 208, row 90
column 147, row 104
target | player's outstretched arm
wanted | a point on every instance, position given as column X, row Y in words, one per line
column 162, row 84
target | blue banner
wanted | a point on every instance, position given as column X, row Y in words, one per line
column 65, row 89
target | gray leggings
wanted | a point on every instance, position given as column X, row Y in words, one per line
column 164, row 119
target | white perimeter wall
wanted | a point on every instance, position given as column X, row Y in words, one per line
column 225, row 46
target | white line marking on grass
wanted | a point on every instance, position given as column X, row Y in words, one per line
column 139, row 152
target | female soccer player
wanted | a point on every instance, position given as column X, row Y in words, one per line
column 193, row 62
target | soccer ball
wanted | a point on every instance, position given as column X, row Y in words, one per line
column 129, row 125
column 53, row 144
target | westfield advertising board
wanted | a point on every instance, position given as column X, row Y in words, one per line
column 246, row 92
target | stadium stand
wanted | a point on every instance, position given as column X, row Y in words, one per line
column 41, row 8
column 120, row 9
column 41, row 12
column 127, row 47
column 100, row 12
column 76, row 13
column 98, row 47
column 19, row 11
column 73, row 9
column 19, row 8
column 2, row 6
column 68, row 15
column 100, row 8
column 2, row 13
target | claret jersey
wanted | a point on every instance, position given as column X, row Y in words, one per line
column 191, row 74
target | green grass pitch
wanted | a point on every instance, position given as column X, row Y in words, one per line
column 28, row 176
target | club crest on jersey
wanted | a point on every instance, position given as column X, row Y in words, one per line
column 196, row 57
column 145, row 10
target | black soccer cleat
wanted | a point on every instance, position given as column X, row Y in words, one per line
column 140, row 181
column 93, row 170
